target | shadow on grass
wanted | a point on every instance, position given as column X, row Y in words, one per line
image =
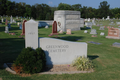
column 92, row 57
column 69, row 38
column 10, row 48
column 2, row 28
column 14, row 28
column 85, row 28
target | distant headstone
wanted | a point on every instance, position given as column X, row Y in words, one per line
column 68, row 31
column 88, row 24
column 11, row 19
column 93, row 22
column 93, row 31
column 88, row 19
column 102, row 33
column 108, row 17
column 116, row 44
column 113, row 33
column 2, row 20
column 6, row 29
column 16, row 17
column 6, row 22
column 118, row 23
column 31, row 34
column 46, row 26
column 103, row 18
column 23, row 27
column 18, row 23
column 54, row 29
column 94, row 36
column 101, row 28
column 85, row 31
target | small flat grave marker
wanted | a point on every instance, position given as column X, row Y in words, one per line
column 54, row 29
column 93, row 31
column 94, row 42
column 68, row 31
column 116, row 44
column 85, row 31
column 101, row 28
column 102, row 33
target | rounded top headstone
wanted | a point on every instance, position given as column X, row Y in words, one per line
column 31, row 21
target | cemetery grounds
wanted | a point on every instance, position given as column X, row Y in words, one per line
column 105, row 56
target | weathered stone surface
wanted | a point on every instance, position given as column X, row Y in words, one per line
column 61, row 51
column 31, row 34
column 68, row 20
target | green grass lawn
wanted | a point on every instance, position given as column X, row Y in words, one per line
column 105, row 57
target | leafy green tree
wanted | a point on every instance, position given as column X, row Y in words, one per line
column 28, row 11
column 104, row 9
column 3, row 7
column 33, row 11
column 84, row 12
column 63, row 6
column 76, row 7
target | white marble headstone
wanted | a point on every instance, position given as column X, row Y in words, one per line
column 102, row 33
column 93, row 31
column 6, row 29
column 31, row 34
column 85, row 31
column 11, row 19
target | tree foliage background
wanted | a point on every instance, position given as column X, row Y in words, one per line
column 45, row 12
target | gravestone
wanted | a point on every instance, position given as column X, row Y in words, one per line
column 108, row 17
column 88, row 24
column 6, row 22
column 102, row 33
column 93, row 22
column 118, row 23
column 88, row 19
column 6, row 29
column 59, row 52
column 85, row 31
column 68, row 31
column 93, row 31
column 103, row 18
column 11, row 19
column 46, row 26
column 18, row 23
column 31, row 34
column 2, row 20
column 68, row 20
column 23, row 27
column 101, row 28
column 113, row 33
column 16, row 17
column 54, row 29
column 116, row 44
